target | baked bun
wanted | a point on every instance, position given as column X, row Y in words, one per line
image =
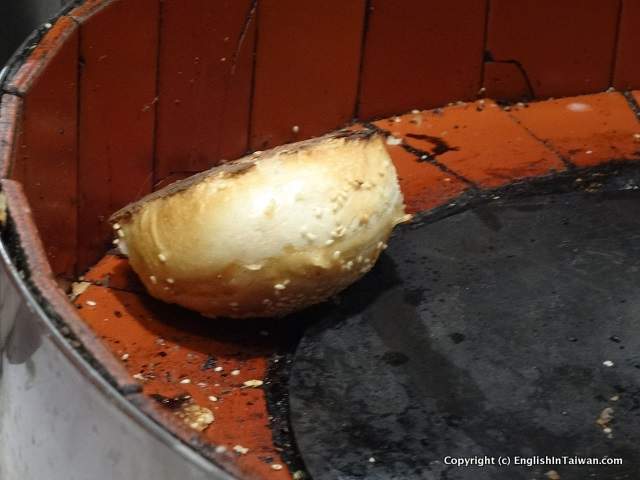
column 269, row 233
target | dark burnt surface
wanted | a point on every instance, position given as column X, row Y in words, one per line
column 489, row 332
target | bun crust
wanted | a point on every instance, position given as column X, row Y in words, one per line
column 270, row 233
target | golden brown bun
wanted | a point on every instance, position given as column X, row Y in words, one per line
column 270, row 233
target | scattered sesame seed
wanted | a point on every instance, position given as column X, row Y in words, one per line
column 139, row 376
column 171, row 280
column 153, row 279
column 331, row 241
column 125, row 356
column 120, row 233
column 279, row 286
column 253, row 266
column 372, row 460
column 339, row 232
column 276, row 466
column 337, row 254
column 91, row 303
column 47, row 25
column 607, row 430
column 615, row 398
column 391, row 140
column 162, row 257
column 608, row 363
column 213, row 398
column 235, row 373
column 266, row 301
column 233, row 304
column 240, row 449
column 223, row 59
column 221, row 449
column 414, row 111
column 202, row 384
column 552, row 475
column 605, row 417
column 253, row 383
column 218, row 369
column 185, row 380
column 397, row 119
column 295, row 129
column 589, row 152
column 116, row 226
column 298, row 475
column 116, row 241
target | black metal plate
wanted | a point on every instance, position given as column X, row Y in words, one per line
column 482, row 334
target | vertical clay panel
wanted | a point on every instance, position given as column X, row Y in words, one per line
column 421, row 54
column 565, row 47
column 205, row 73
column 118, row 51
column 627, row 71
column 46, row 145
column 307, row 63
column 10, row 115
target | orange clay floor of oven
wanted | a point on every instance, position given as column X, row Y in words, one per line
column 187, row 363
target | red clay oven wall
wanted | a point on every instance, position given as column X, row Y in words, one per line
column 121, row 95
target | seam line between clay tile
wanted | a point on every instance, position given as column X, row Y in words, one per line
column 423, row 156
column 363, row 44
column 633, row 104
column 616, row 44
column 545, row 143
column 229, row 75
column 254, row 72
column 485, row 44
column 156, row 109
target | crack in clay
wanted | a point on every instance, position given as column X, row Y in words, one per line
column 489, row 59
column 243, row 35
column 440, row 146
column 423, row 156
